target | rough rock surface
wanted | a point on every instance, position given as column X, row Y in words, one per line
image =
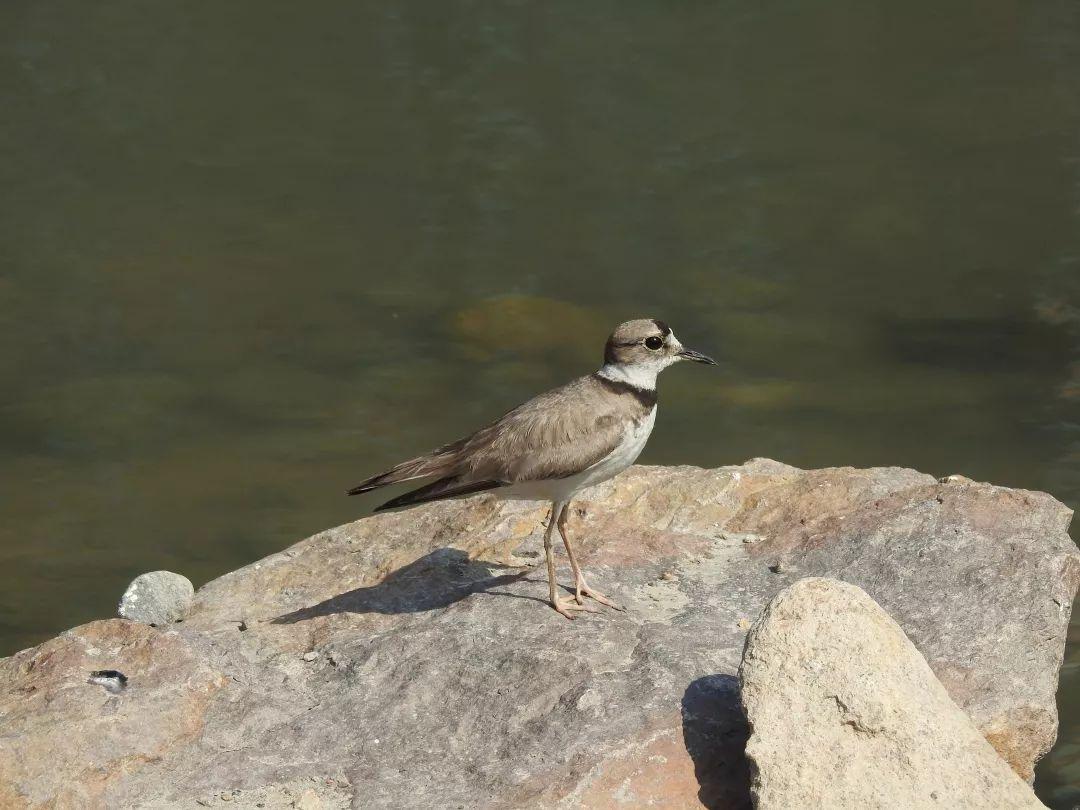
column 440, row 678
column 825, row 664
column 158, row 597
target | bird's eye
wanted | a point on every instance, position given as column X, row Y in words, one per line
column 654, row 343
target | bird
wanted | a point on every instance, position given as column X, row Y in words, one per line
column 555, row 445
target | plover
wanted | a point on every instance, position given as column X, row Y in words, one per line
column 557, row 444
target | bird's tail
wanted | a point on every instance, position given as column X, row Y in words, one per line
column 420, row 467
column 442, row 462
column 449, row 487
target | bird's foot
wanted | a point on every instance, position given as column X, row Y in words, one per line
column 567, row 606
column 585, row 590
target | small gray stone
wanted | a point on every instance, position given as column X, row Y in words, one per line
column 158, row 598
column 955, row 479
column 113, row 681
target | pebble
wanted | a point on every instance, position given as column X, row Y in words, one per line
column 112, row 680
column 310, row 656
column 743, row 537
column 954, row 479
column 159, row 598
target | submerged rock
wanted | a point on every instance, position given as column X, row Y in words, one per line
column 847, row 715
column 158, row 597
column 442, row 678
column 524, row 324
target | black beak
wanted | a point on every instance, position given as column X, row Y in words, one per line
column 697, row 357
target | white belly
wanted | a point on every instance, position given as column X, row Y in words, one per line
column 563, row 489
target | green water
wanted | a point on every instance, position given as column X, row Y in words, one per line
column 252, row 252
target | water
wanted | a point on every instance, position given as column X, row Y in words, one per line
column 252, row 252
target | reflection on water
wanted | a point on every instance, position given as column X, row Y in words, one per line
column 244, row 249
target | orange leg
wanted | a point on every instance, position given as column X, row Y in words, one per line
column 565, row 606
column 581, row 587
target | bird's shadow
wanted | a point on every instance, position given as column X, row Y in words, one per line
column 715, row 732
column 436, row 580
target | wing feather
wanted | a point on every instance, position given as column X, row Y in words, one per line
column 554, row 435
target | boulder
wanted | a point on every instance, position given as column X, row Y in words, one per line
column 405, row 660
column 847, row 715
column 158, row 597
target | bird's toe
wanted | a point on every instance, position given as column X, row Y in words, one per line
column 601, row 598
column 568, row 607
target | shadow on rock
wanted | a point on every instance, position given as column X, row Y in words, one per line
column 437, row 580
column 715, row 734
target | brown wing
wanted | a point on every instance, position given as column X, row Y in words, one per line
column 554, row 435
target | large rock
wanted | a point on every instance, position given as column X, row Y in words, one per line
column 65, row 741
column 847, row 715
column 400, row 661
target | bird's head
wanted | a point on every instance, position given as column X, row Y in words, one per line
column 639, row 350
